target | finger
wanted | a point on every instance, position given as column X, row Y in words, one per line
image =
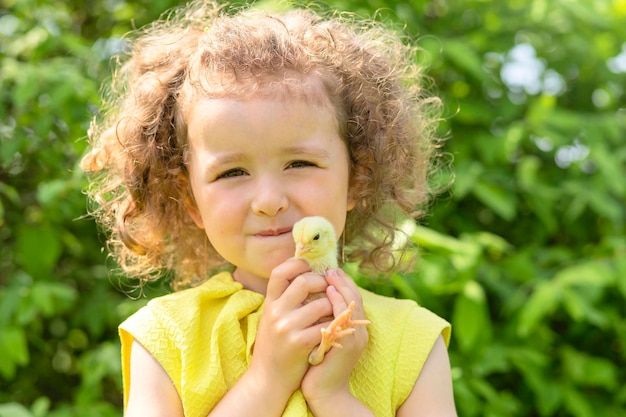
column 337, row 300
column 348, row 290
column 315, row 310
column 344, row 285
column 304, row 285
column 282, row 275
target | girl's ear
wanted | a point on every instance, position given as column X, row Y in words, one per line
column 189, row 202
column 353, row 191
column 193, row 212
column 351, row 202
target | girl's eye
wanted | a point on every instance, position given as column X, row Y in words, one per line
column 301, row 164
column 235, row 172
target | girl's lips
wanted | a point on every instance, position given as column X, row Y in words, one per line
column 274, row 232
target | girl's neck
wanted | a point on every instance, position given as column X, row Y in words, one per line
column 250, row 282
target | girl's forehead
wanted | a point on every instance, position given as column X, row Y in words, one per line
column 233, row 129
column 309, row 89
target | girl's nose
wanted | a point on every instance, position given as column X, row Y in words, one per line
column 269, row 197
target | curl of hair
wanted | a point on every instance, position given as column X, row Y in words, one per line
column 137, row 163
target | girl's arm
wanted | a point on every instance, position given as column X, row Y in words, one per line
column 432, row 393
column 151, row 392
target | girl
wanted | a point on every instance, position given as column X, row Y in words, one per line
column 224, row 129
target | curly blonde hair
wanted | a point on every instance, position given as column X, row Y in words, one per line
column 137, row 163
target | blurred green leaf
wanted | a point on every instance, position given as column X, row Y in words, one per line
column 591, row 273
column 587, row 370
column 576, row 403
column 14, row 410
column 581, row 308
column 13, row 350
column 620, row 266
column 471, row 317
column 497, row 198
column 463, row 255
column 462, row 54
column 542, row 302
column 610, row 166
column 467, row 174
column 40, row 407
column 52, row 298
column 37, row 249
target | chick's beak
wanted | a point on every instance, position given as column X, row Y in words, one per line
column 301, row 250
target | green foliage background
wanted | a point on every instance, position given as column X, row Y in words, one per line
column 525, row 253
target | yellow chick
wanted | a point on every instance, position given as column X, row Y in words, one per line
column 316, row 243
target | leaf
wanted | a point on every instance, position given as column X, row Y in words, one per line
column 492, row 243
column 577, row 404
column 9, row 192
column 590, row 273
column 466, row 176
column 527, row 171
column 40, row 407
column 620, row 266
column 587, row 370
column 539, row 196
column 542, row 202
column 606, row 205
column 580, row 308
column 547, row 392
column 403, row 287
column 611, row 167
column 462, row 54
column 515, row 134
column 472, row 324
column 52, row 298
column 497, row 198
column 542, row 302
column 432, row 239
column 48, row 193
column 37, row 249
column 13, row 350
column 14, row 410
column 463, row 255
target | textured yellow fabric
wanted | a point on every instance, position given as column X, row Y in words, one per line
column 203, row 338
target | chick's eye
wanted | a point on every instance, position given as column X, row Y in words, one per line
column 235, row 172
column 316, row 237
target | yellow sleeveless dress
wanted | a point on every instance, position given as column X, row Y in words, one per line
column 203, row 338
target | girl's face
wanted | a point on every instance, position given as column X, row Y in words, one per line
column 258, row 166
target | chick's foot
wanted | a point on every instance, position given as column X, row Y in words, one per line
column 341, row 326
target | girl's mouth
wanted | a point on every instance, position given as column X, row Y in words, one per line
column 274, row 232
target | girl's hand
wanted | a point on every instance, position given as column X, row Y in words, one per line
column 329, row 381
column 286, row 334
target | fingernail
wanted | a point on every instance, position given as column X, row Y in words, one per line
column 332, row 272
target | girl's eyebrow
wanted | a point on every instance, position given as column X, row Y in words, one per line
column 226, row 158
column 307, row 151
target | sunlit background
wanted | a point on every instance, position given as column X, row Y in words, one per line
column 523, row 249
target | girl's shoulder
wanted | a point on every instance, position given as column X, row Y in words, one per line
column 403, row 314
column 401, row 336
column 219, row 286
column 201, row 305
